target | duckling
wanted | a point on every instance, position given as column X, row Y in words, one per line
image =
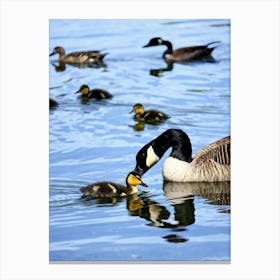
column 109, row 189
column 96, row 93
column 148, row 116
column 209, row 164
column 52, row 103
column 182, row 54
column 78, row 57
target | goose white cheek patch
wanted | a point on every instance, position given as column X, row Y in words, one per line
column 152, row 158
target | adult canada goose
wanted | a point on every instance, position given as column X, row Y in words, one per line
column 96, row 93
column 80, row 57
column 211, row 163
column 182, row 54
column 110, row 189
column 148, row 116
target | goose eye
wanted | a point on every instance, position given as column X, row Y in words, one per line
column 143, row 155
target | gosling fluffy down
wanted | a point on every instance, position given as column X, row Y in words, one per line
column 148, row 116
column 96, row 93
column 110, row 189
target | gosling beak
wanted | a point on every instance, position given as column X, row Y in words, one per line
column 143, row 184
column 131, row 111
column 77, row 91
column 52, row 53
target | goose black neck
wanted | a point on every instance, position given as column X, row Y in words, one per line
column 178, row 140
column 169, row 47
column 152, row 152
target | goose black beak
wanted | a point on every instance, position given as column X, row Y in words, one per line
column 52, row 53
column 146, row 46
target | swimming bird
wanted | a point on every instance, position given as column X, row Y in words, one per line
column 96, row 93
column 110, row 189
column 211, row 163
column 52, row 103
column 80, row 57
column 184, row 53
column 148, row 116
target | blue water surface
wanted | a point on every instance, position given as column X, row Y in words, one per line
column 98, row 141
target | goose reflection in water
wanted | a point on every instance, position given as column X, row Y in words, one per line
column 170, row 65
column 158, row 72
column 181, row 196
column 158, row 215
column 216, row 193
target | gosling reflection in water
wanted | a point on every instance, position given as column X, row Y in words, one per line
column 133, row 203
column 140, row 125
column 158, row 215
column 181, row 197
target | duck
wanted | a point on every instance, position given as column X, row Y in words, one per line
column 52, row 103
column 110, row 189
column 209, row 164
column 184, row 53
column 96, row 93
column 149, row 116
column 79, row 57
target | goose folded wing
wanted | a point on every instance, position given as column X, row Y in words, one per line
column 218, row 152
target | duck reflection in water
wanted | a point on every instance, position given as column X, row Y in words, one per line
column 60, row 66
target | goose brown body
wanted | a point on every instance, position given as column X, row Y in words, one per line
column 211, row 163
column 79, row 56
column 184, row 53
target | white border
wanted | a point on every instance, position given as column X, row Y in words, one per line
column 255, row 138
